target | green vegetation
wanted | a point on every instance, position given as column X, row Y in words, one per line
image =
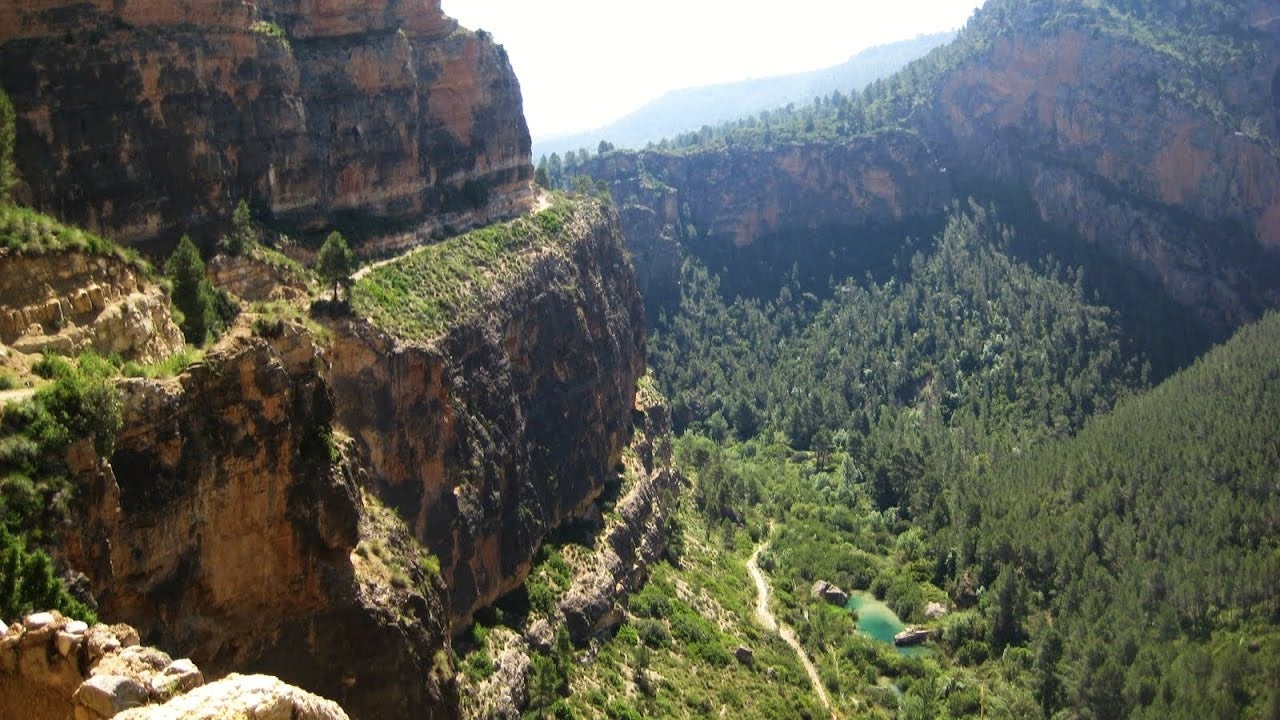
column 418, row 295
column 26, row 231
column 271, row 30
column 243, row 234
column 204, row 311
column 169, row 367
column 8, row 170
column 28, row 584
column 36, row 492
column 972, row 430
column 336, row 261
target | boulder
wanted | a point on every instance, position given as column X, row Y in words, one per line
column 254, row 697
column 934, row 611
column 912, row 636
column 830, row 593
column 745, row 655
column 109, row 695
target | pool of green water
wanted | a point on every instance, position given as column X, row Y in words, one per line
column 877, row 621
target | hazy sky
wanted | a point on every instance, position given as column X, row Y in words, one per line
column 584, row 63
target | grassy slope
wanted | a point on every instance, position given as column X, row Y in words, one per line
column 421, row 293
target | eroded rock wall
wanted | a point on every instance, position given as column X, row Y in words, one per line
column 1116, row 138
column 144, row 120
column 224, row 528
column 70, row 302
column 1174, row 173
column 739, row 207
column 487, row 437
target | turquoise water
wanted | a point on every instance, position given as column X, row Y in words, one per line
column 877, row 621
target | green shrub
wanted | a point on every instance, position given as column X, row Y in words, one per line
column 28, row 583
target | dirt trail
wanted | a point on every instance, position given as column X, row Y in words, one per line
column 767, row 619
column 14, row 396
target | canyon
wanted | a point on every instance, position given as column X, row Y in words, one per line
column 1081, row 131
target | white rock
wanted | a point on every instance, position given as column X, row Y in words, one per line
column 108, row 695
column 79, row 627
column 66, row 641
column 38, row 620
column 236, row 696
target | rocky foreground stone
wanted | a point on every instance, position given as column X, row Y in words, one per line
column 55, row 668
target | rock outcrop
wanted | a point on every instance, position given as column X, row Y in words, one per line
column 637, row 535
column 627, row 543
column 495, row 432
column 57, row 669
column 68, row 302
column 223, row 527
column 829, row 593
column 145, row 120
column 252, row 697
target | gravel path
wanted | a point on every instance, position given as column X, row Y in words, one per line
column 770, row 622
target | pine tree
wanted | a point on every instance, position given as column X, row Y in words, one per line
column 243, row 234
column 192, row 293
column 8, row 173
column 336, row 261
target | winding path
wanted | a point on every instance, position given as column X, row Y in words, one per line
column 14, row 396
column 767, row 619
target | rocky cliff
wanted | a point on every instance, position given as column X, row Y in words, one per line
column 631, row 535
column 761, row 210
column 73, row 301
column 1151, row 139
column 505, row 421
column 224, row 526
column 1168, row 161
column 144, row 120
column 331, row 514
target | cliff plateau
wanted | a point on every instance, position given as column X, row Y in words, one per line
column 144, row 120
column 494, row 429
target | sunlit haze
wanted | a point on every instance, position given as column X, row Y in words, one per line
column 585, row 63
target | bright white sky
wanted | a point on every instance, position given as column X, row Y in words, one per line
column 584, row 63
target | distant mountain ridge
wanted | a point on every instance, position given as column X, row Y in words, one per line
column 690, row 108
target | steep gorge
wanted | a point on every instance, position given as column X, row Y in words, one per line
column 1087, row 124
column 332, row 510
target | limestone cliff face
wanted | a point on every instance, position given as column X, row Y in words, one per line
column 222, row 528
column 1170, row 165
column 69, row 302
column 490, row 435
column 144, row 119
column 1176, row 173
column 744, row 206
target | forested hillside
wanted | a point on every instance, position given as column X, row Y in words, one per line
column 971, row 430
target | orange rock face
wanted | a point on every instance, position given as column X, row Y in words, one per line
column 488, row 437
column 145, row 119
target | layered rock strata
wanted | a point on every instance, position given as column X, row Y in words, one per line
column 144, row 120
column 1166, row 163
column 68, row 302
column 223, row 526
